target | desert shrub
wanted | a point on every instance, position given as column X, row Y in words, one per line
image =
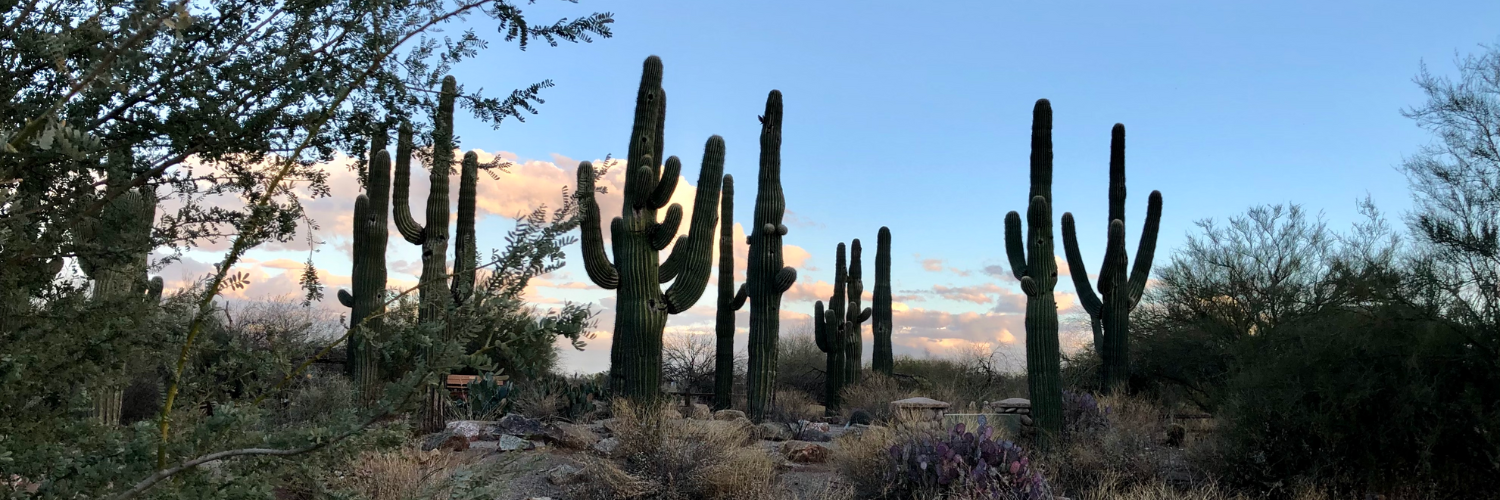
column 791, row 406
column 668, row 459
column 965, row 464
column 874, row 394
column 863, row 459
column 799, row 363
column 973, row 376
column 558, row 397
column 1367, row 401
column 1082, row 413
column 1118, row 441
column 319, row 397
column 406, row 472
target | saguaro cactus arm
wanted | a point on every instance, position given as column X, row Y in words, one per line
column 675, row 259
column 1014, row 248
column 739, row 298
column 401, row 194
column 595, row 261
column 1077, row 269
column 465, row 249
column 693, row 279
column 662, row 234
column 668, row 179
column 1146, row 248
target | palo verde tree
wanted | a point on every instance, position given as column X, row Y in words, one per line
column 636, row 274
column 1110, row 317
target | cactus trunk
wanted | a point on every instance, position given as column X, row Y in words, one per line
column 1036, row 268
column 766, row 277
column 883, row 360
column 729, row 301
column 830, row 331
column 1109, row 311
column 367, row 300
column 641, row 307
column 854, row 346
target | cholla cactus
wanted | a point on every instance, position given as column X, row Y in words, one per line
column 1110, row 317
column 636, row 274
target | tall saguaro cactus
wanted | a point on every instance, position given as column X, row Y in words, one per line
column 115, row 253
column 1110, row 317
column 636, row 275
column 433, row 237
column 767, row 278
column 1036, row 267
column 367, row 300
column 729, row 301
column 883, row 360
column 831, row 332
column 854, row 346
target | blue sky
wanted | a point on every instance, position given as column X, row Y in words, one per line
column 917, row 117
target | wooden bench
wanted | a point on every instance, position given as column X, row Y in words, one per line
column 458, row 385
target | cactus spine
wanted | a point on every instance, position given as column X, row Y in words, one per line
column 641, row 307
column 854, row 345
column 367, row 300
column 830, row 331
column 432, row 292
column 729, row 301
column 1036, row 268
column 883, row 360
column 1110, row 317
column 766, row 277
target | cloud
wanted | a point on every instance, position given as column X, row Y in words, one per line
column 937, row 266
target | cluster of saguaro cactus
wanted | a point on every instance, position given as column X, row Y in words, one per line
column 641, row 307
column 367, row 301
column 831, row 332
column 882, row 359
column 766, row 277
column 114, row 252
column 1036, row 267
column 730, row 301
column 1110, row 317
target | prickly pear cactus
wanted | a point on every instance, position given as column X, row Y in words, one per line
column 1110, row 317
column 636, row 274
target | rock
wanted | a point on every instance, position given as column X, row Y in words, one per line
column 437, row 440
column 803, row 452
column 577, row 437
column 1013, row 403
column 860, row 417
column 507, row 442
column 813, row 431
column 520, row 426
column 728, row 415
column 773, row 431
column 471, row 429
column 455, row 443
column 607, row 446
column 701, row 412
column 1026, row 420
column 565, row 474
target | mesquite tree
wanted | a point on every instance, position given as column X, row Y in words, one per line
column 636, row 274
column 1036, row 267
column 1110, row 317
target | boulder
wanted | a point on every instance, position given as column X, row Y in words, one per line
column 773, row 431
column 565, row 474
column 607, row 446
column 1016, row 403
column 577, row 437
column 803, row 452
column 728, row 415
column 507, row 442
column 438, row 440
column 472, row 429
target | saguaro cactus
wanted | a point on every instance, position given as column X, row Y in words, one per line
column 882, row 361
column 1036, row 267
column 729, row 301
column 766, row 278
column 367, row 300
column 465, row 249
column 831, row 332
column 114, row 254
column 641, row 308
column 854, row 345
column 1110, row 317
column 433, row 288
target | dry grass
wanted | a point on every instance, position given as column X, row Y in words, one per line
column 405, row 473
column 792, row 406
column 662, row 458
column 863, row 459
column 874, row 394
